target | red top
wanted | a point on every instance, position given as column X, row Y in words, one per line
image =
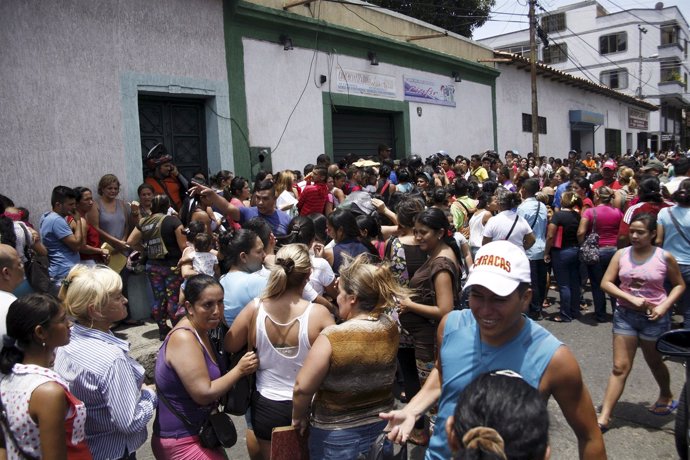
column 313, row 199
column 600, row 183
column 639, row 208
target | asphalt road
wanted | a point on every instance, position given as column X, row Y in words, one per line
column 635, row 433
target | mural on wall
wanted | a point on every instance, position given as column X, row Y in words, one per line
column 365, row 83
column 429, row 91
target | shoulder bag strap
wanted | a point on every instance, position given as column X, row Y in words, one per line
column 8, row 430
column 27, row 238
column 165, row 189
column 174, row 411
column 594, row 220
column 677, row 225
column 513, row 227
column 536, row 216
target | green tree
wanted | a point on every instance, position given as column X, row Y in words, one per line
column 459, row 16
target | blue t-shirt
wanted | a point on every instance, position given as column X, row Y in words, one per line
column 673, row 241
column 534, row 212
column 240, row 288
column 278, row 221
column 53, row 228
column 464, row 357
column 559, row 191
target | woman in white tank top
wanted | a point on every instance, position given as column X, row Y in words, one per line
column 281, row 325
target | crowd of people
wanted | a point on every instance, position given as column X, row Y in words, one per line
column 340, row 288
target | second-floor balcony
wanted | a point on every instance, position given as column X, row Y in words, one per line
column 671, row 51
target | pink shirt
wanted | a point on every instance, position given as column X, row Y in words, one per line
column 643, row 278
column 608, row 221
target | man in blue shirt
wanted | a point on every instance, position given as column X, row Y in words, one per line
column 494, row 334
column 534, row 212
column 265, row 197
column 62, row 240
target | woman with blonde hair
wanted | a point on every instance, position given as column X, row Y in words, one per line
column 286, row 193
column 351, row 367
column 282, row 327
column 98, row 367
column 628, row 190
column 112, row 217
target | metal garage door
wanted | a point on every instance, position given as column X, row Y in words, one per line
column 361, row 132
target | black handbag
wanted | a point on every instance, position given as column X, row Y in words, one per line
column 36, row 267
column 217, row 430
column 240, row 395
column 384, row 449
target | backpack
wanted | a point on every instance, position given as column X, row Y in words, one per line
column 151, row 235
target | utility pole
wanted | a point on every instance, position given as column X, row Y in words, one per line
column 533, row 75
column 642, row 31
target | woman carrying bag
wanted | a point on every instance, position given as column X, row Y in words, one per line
column 189, row 379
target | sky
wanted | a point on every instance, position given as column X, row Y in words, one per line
column 516, row 10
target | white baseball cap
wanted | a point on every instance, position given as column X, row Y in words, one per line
column 499, row 266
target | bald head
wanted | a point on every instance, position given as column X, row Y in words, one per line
column 11, row 268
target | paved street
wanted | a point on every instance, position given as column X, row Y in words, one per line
column 634, row 433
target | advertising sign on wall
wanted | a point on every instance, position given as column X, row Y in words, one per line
column 365, row 83
column 638, row 119
column 429, row 91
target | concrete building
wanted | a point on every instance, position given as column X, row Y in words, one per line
column 573, row 112
column 87, row 85
column 335, row 78
column 640, row 52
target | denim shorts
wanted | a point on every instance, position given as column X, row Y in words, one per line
column 634, row 323
column 344, row 444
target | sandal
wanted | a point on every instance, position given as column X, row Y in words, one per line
column 667, row 409
column 559, row 319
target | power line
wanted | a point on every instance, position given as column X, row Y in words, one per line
column 596, row 50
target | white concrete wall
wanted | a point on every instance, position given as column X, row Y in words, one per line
column 272, row 92
column 555, row 100
column 62, row 65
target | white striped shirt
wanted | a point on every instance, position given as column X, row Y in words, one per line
column 101, row 373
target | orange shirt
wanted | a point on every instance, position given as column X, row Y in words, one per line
column 172, row 189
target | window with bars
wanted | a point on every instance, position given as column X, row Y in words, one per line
column 553, row 23
column 614, row 79
column 556, row 53
column 613, row 43
column 527, row 123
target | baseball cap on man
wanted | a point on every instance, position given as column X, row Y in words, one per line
column 654, row 164
column 610, row 164
column 499, row 266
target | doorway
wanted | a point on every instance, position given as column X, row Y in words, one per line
column 180, row 125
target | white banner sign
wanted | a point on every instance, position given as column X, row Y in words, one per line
column 365, row 83
column 429, row 91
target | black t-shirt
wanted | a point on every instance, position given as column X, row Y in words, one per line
column 569, row 220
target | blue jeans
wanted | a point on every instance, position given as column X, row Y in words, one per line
column 566, row 267
column 596, row 274
column 345, row 444
column 684, row 301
